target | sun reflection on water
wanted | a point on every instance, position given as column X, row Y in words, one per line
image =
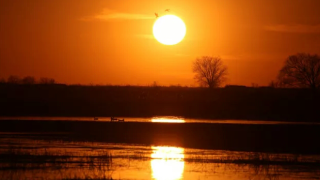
column 167, row 163
column 167, row 120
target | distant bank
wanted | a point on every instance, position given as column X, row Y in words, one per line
column 138, row 101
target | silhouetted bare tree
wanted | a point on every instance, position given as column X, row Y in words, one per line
column 14, row 80
column 210, row 71
column 47, row 81
column 300, row 70
column 28, row 80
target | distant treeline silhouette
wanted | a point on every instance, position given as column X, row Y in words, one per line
column 231, row 102
column 301, row 70
column 27, row 80
column 294, row 96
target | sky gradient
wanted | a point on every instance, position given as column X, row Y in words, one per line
column 111, row 41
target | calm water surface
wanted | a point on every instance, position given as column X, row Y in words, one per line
column 160, row 119
column 86, row 160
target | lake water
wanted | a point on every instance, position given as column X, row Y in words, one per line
column 28, row 156
column 160, row 119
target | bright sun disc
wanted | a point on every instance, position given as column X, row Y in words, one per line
column 169, row 29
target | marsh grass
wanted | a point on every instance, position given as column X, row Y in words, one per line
column 100, row 176
column 98, row 163
column 93, row 162
column 19, row 158
column 257, row 158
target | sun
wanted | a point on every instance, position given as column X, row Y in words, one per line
column 169, row 29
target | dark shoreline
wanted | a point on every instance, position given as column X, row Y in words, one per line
column 242, row 103
column 280, row 138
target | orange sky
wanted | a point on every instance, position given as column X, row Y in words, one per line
column 111, row 42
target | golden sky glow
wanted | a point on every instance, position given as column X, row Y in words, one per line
column 112, row 42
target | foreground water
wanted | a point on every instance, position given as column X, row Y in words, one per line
column 30, row 156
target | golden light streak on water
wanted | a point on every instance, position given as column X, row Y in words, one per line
column 167, row 163
column 168, row 120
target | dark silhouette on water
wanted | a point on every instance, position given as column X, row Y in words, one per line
column 95, row 118
column 116, row 119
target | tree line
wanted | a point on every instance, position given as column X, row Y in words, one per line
column 301, row 70
column 27, row 80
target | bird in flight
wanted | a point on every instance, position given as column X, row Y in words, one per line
column 156, row 15
column 167, row 10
